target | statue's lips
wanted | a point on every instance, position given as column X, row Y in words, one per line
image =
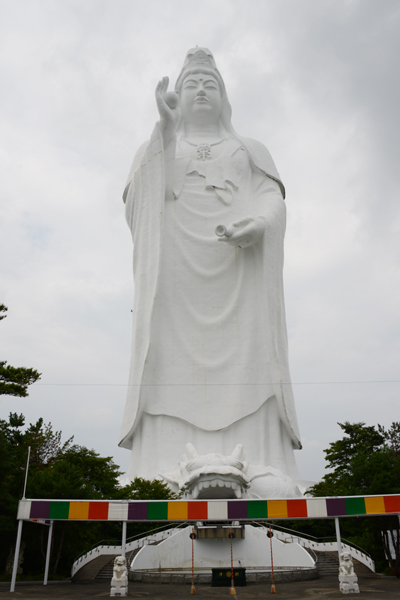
column 201, row 99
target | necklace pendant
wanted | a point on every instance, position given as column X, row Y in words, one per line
column 203, row 151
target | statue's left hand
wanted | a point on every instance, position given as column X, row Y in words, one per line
column 168, row 109
column 249, row 231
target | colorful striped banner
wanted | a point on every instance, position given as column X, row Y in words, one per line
column 207, row 510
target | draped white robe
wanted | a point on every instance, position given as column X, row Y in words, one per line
column 209, row 353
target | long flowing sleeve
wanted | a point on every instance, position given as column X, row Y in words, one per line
column 144, row 201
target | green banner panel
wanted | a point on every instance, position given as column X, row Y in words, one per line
column 355, row 506
column 59, row 510
column 157, row 511
column 257, row 509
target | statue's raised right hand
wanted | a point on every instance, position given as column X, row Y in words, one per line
column 168, row 107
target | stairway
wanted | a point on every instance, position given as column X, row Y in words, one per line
column 106, row 572
column 101, row 558
column 327, row 563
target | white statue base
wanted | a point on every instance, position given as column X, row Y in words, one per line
column 253, row 551
column 347, row 577
column 119, row 581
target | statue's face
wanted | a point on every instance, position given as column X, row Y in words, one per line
column 200, row 99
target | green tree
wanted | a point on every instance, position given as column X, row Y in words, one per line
column 61, row 470
column 56, row 470
column 14, row 381
column 76, row 473
column 366, row 461
column 145, row 489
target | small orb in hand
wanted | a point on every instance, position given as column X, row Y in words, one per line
column 172, row 99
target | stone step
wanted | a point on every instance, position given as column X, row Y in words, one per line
column 328, row 563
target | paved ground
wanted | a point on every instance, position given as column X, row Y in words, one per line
column 372, row 587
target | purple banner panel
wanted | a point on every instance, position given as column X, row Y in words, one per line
column 137, row 511
column 40, row 509
column 336, row 507
column 237, row 510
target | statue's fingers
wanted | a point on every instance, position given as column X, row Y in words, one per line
column 228, row 240
column 162, row 86
column 242, row 222
column 165, row 82
column 158, row 87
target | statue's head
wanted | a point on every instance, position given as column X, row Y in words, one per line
column 345, row 556
column 201, row 90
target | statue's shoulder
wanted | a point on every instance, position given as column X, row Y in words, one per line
column 256, row 146
column 263, row 160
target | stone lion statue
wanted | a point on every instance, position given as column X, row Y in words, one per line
column 119, row 581
column 347, row 577
column 346, row 564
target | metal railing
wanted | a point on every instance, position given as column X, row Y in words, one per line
column 287, row 535
column 300, row 538
column 117, row 542
column 146, row 537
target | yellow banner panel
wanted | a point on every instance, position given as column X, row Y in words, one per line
column 277, row 509
column 78, row 510
column 374, row 505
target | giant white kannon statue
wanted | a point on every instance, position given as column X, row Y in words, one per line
column 209, row 378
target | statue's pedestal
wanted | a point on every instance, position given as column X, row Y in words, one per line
column 172, row 558
column 119, row 588
column 348, row 584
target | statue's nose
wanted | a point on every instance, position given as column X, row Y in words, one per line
column 201, row 93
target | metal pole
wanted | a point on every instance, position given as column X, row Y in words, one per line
column 26, row 472
column 46, row 569
column 339, row 541
column 123, row 538
column 273, row 588
column 192, row 589
column 16, row 556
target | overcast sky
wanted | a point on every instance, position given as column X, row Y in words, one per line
column 317, row 81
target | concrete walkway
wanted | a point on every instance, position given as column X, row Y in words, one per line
column 371, row 586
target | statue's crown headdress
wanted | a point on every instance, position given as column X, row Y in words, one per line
column 198, row 58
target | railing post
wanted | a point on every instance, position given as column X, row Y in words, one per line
column 123, row 538
column 339, row 542
column 46, row 568
column 16, row 556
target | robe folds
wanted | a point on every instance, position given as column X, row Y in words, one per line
column 155, row 180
